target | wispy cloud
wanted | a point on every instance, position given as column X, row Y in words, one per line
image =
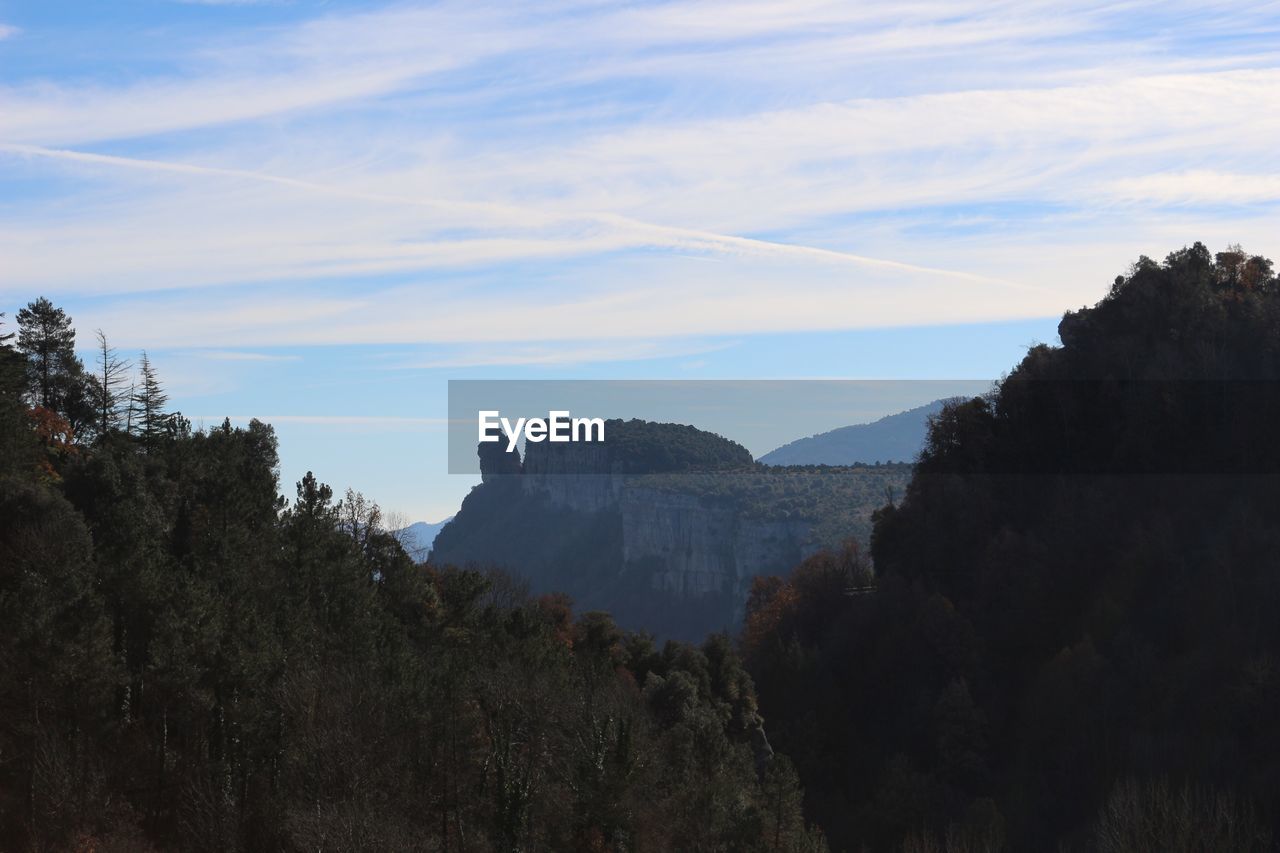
column 469, row 173
column 620, row 232
column 544, row 188
column 331, row 420
column 548, row 355
column 239, row 355
column 1201, row 186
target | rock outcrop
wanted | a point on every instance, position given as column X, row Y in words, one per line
column 667, row 541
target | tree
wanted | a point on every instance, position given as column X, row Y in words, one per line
column 149, row 399
column 1077, row 587
column 48, row 340
column 57, row 672
column 359, row 517
column 56, row 377
column 12, row 373
column 11, row 365
column 14, row 436
column 187, row 664
column 112, row 371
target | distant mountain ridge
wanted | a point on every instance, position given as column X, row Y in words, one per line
column 893, row 438
column 418, row 537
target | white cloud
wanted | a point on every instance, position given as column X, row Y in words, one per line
column 239, row 355
column 477, row 173
column 392, row 422
column 646, row 298
column 547, row 355
column 571, row 233
column 325, row 62
column 1199, row 186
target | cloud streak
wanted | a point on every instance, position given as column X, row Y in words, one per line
column 472, row 173
column 633, row 232
column 405, row 191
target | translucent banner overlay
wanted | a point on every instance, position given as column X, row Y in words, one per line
column 1138, row 427
column 760, row 415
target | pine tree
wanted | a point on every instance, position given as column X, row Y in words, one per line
column 11, row 366
column 147, row 416
column 46, row 337
column 56, row 378
column 14, row 434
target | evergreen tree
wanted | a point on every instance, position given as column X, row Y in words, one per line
column 188, row 664
column 14, row 436
column 8, row 356
column 1071, row 626
column 147, row 415
column 12, row 369
column 56, row 377
column 48, row 340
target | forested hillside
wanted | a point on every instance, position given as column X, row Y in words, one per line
column 190, row 662
column 1068, row 641
column 1071, row 641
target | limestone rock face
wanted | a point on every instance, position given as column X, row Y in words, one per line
column 699, row 546
column 636, row 529
column 497, row 461
column 579, row 477
column 689, row 545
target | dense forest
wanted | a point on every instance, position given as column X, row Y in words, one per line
column 1063, row 635
column 189, row 662
column 1073, row 640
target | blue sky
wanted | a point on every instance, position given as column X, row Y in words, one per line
column 319, row 212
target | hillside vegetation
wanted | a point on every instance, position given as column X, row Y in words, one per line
column 837, row 500
column 190, row 662
column 1072, row 642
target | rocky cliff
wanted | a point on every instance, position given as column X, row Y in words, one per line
column 666, row 536
column 698, row 546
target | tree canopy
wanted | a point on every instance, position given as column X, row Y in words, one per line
column 1071, row 635
column 189, row 661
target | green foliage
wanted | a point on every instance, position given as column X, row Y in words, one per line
column 645, row 447
column 56, row 380
column 146, row 415
column 189, row 662
column 16, row 442
column 838, row 500
column 1078, row 588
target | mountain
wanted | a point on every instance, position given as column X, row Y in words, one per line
column 418, row 537
column 664, row 525
column 894, row 438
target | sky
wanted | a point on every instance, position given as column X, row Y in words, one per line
column 317, row 213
